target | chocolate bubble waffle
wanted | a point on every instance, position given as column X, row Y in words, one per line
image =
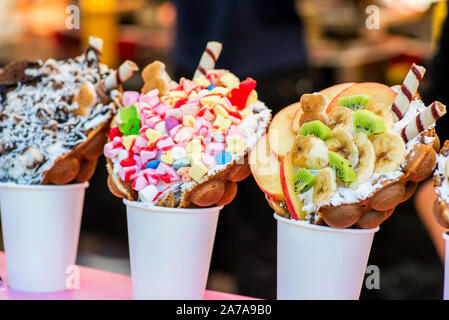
column 349, row 154
column 54, row 116
column 441, row 185
column 184, row 144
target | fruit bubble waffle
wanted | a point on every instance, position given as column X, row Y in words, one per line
column 54, row 116
column 184, row 144
column 441, row 185
column 348, row 155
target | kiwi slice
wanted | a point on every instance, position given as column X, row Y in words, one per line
column 303, row 180
column 355, row 102
column 342, row 167
column 368, row 122
column 317, row 128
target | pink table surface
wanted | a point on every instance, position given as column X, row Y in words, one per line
column 94, row 285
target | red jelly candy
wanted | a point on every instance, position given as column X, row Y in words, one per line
column 114, row 132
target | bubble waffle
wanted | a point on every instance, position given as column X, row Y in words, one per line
column 55, row 116
column 440, row 181
column 185, row 144
column 352, row 169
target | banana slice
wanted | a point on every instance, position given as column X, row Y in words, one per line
column 382, row 111
column 309, row 152
column 325, row 186
column 390, row 151
column 341, row 117
column 367, row 160
column 342, row 142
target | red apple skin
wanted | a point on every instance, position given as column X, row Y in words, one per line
column 335, row 90
column 280, row 134
column 270, row 184
column 292, row 201
column 379, row 93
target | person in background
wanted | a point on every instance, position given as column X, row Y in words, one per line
column 263, row 40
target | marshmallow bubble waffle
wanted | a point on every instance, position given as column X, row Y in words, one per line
column 54, row 116
column 184, row 144
column 348, row 155
column 441, row 185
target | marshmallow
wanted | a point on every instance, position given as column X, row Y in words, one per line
column 197, row 171
column 139, row 183
column 148, row 193
column 130, row 97
column 178, row 152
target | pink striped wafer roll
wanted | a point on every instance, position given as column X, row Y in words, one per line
column 423, row 120
column 124, row 72
column 208, row 59
column 93, row 52
column 407, row 91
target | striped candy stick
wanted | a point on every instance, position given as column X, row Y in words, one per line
column 93, row 52
column 407, row 91
column 208, row 59
column 123, row 73
column 423, row 120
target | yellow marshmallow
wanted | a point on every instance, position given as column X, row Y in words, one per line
column 188, row 120
column 197, row 171
column 167, row 157
column 178, row 94
column 202, row 81
column 210, row 99
column 230, row 80
column 128, row 141
column 153, row 135
column 195, row 146
column 220, row 110
column 252, row 98
column 235, row 144
column 193, row 95
column 221, row 123
column 220, row 90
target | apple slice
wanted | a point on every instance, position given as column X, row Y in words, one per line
column 378, row 92
column 295, row 121
column 265, row 168
column 294, row 204
column 280, row 134
column 335, row 90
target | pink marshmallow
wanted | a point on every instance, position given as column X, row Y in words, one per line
column 176, row 113
column 165, row 169
column 208, row 160
column 127, row 173
column 138, row 162
column 190, row 109
column 130, row 97
column 141, row 143
column 139, row 183
column 117, row 142
column 234, row 131
column 184, row 134
column 165, row 143
column 151, row 176
column 214, row 148
column 146, row 155
column 110, row 151
column 175, row 130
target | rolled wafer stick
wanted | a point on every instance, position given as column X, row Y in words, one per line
column 407, row 91
column 124, row 72
column 93, row 53
column 208, row 59
column 423, row 120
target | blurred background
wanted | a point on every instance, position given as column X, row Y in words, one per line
column 290, row 47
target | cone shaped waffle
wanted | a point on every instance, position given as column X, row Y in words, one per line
column 440, row 180
column 55, row 116
column 185, row 144
column 375, row 171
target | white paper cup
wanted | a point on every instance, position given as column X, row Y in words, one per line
column 320, row 263
column 41, row 225
column 446, row 267
column 170, row 250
